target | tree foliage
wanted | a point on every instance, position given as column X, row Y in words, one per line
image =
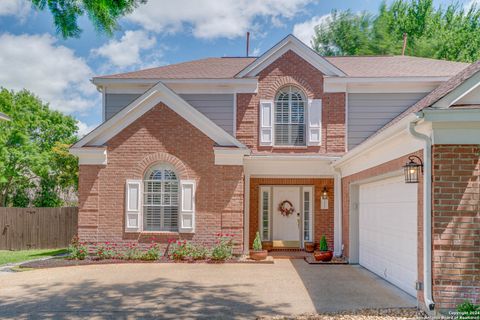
column 450, row 33
column 35, row 166
column 103, row 14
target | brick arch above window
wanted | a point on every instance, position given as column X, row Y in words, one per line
column 161, row 157
column 271, row 91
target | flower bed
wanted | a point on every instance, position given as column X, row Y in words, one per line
column 177, row 251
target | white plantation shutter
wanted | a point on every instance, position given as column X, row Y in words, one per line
column 266, row 122
column 133, row 206
column 314, row 132
column 187, row 206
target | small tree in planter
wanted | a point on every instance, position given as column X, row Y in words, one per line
column 323, row 254
column 257, row 253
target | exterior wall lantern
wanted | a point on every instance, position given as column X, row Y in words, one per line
column 324, row 199
column 413, row 169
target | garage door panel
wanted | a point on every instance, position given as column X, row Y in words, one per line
column 388, row 231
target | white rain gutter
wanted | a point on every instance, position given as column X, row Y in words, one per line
column 427, row 211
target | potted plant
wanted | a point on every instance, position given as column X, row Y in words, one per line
column 309, row 246
column 323, row 254
column 257, row 253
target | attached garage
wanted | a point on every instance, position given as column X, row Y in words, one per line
column 387, row 230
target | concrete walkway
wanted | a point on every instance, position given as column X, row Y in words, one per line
column 193, row 291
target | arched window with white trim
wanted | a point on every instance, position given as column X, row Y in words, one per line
column 289, row 117
column 160, row 199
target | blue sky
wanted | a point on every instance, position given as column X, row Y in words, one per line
column 162, row 32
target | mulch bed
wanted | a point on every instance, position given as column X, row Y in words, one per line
column 62, row 262
column 335, row 260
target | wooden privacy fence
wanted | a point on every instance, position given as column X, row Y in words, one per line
column 37, row 228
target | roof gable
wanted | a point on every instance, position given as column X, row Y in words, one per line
column 290, row 43
column 148, row 100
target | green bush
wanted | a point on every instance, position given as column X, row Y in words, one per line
column 223, row 249
column 257, row 243
column 198, row 252
column 77, row 250
column 106, row 251
column 180, row 250
column 468, row 309
column 152, row 253
column 323, row 244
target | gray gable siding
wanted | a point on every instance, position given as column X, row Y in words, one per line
column 217, row 107
column 368, row 112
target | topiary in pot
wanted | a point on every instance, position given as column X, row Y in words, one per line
column 257, row 253
column 323, row 254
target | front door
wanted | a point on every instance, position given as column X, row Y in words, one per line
column 286, row 226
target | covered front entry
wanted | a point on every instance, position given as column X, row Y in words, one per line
column 286, row 218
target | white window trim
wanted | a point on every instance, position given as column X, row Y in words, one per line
column 305, row 117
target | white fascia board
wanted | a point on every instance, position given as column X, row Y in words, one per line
column 290, row 43
column 451, row 115
column 348, row 79
column 371, row 143
column 459, row 92
column 229, row 156
column 454, row 126
column 158, row 93
column 90, row 156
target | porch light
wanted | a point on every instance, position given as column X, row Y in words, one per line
column 413, row 169
column 325, row 193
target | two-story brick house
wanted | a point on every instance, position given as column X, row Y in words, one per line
column 217, row 145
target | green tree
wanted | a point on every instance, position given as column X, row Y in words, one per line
column 35, row 167
column 450, row 33
column 103, row 14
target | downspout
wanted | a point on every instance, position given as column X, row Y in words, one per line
column 427, row 211
column 338, row 204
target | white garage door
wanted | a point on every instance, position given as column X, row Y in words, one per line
column 388, row 231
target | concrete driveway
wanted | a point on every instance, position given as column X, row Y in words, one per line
column 287, row 287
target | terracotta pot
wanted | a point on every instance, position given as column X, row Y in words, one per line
column 323, row 255
column 267, row 245
column 309, row 246
column 258, row 255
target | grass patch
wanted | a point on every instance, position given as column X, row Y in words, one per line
column 7, row 256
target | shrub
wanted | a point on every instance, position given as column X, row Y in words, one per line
column 198, row 252
column 223, row 249
column 132, row 252
column 467, row 308
column 106, row 251
column 323, row 244
column 78, row 250
column 152, row 253
column 257, row 243
column 180, row 250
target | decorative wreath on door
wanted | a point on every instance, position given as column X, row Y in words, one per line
column 286, row 208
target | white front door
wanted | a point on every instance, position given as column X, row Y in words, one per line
column 286, row 229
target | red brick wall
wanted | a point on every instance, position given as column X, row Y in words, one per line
column 385, row 168
column 160, row 135
column 291, row 69
column 456, row 224
column 323, row 218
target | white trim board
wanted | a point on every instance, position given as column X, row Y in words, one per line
column 290, row 42
column 158, row 93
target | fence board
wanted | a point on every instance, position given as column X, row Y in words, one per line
column 37, row 228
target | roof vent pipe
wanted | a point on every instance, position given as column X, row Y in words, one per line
column 248, row 43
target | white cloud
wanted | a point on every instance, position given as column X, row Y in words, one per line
column 209, row 19
column 84, row 129
column 51, row 71
column 19, row 8
column 126, row 51
column 305, row 30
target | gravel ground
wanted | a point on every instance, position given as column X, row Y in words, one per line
column 365, row 314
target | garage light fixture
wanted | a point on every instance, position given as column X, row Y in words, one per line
column 413, row 169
